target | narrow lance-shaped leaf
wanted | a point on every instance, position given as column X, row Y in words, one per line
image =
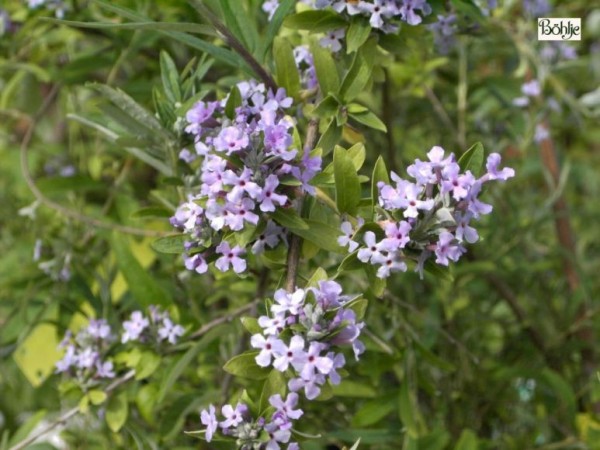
column 315, row 21
column 327, row 73
column 275, row 24
column 380, row 174
column 347, row 185
column 287, row 72
column 359, row 74
column 169, row 77
column 357, row 34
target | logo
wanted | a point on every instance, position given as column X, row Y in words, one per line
column 559, row 29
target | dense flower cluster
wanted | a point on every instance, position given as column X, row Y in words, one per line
column 383, row 15
column 253, row 433
column 157, row 327
column 302, row 333
column 85, row 352
column 429, row 217
column 444, row 32
column 245, row 159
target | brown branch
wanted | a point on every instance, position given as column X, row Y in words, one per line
column 293, row 256
column 223, row 319
column 70, row 413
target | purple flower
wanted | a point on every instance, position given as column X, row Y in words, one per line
column 273, row 325
column 314, row 362
column 270, row 347
column 458, row 184
column 241, row 184
column 446, row 249
column 209, row 420
column 333, row 39
column 231, row 257
column 411, row 201
column 397, row 235
column 464, row 232
column 286, row 407
column 199, row 114
column 231, row 139
column 346, row 238
column 389, row 263
column 196, row 262
column 493, row 161
column 531, row 88
column 268, row 198
column 170, row 331
column 99, row 329
column 294, row 355
column 372, row 250
column 311, row 386
column 239, row 213
column 288, row 302
column 477, row 207
column 134, row 327
column 270, row 237
column 329, row 294
column 233, row 417
column 338, row 362
column 105, row 369
column 69, row 359
column 87, row 358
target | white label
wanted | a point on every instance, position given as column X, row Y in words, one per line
column 559, row 29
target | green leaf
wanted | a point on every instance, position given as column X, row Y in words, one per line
column 314, row 21
column 349, row 388
column 170, row 244
column 27, row 427
column 187, row 27
column 472, row 159
column 169, row 77
column 274, row 384
column 359, row 306
column 373, row 411
column 129, row 106
column 117, row 411
column 327, row 73
column 330, row 137
column 357, row 34
column 284, row 8
column 318, row 275
column 380, row 174
column 407, row 411
column 145, row 400
column 287, row 72
column 327, row 107
column 97, row 397
column 347, row 185
column 321, row 234
column 467, row 441
column 371, row 120
column 177, row 370
column 288, row 218
column 239, row 23
column 357, row 154
column 251, row 325
column 218, row 53
column 142, row 284
column 359, row 74
column 234, row 100
column 245, row 366
column 147, row 365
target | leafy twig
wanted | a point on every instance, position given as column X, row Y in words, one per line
column 70, row 413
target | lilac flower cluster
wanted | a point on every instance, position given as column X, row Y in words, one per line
column 429, row 217
column 83, row 352
column 302, row 332
column 553, row 52
column 244, row 162
column 255, row 433
column 157, row 327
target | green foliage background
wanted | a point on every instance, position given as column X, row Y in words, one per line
column 499, row 353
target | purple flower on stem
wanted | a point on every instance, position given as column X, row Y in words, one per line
column 268, row 198
column 493, row 161
column 270, row 347
column 231, row 139
column 233, row 417
column 241, row 184
column 346, row 238
column 209, row 420
column 196, row 262
column 170, row 331
column 231, row 257
column 372, row 250
column 446, row 249
column 333, row 39
column 105, row 369
column 288, row 302
column 99, row 329
column 286, row 407
column 134, row 327
column 294, row 354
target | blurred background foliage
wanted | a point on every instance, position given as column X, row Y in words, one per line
column 500, row 354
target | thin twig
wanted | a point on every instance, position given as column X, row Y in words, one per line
column 462, row 95
column 439, row 109
column 293, row 256
column 70, row 413
column 236, row 45
column 56, row 206
column 223, row 319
